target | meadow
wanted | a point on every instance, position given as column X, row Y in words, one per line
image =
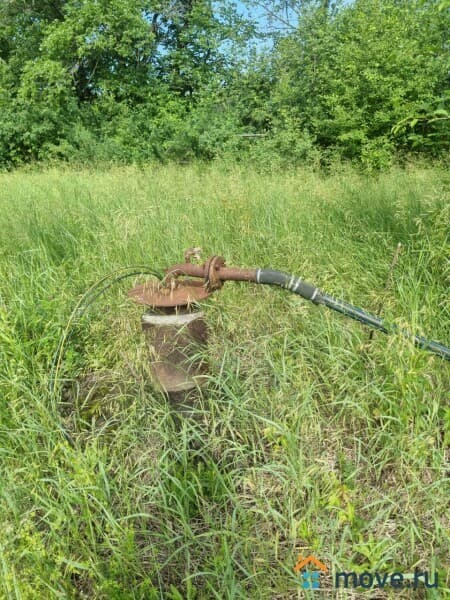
column 309, row 437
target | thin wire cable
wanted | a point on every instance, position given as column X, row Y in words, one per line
column 83, row 304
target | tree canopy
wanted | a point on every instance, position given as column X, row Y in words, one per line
column 146, row 79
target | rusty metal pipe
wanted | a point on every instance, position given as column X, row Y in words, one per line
column 176, row 342
column 222, row 273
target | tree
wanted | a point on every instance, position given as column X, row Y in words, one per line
column 349, row 77
column 108, row 65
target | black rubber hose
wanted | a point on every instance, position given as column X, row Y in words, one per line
column 310, row 292
column 290, row 282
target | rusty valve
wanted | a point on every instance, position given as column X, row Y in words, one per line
column 176, row 290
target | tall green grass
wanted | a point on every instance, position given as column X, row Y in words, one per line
column 308, row 439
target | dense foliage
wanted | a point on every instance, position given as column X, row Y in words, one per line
column 144, row 79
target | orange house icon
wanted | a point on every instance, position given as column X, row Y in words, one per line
column 310, row 560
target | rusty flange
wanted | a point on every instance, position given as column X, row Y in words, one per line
column 176, row 294
column 212, row 268
column 176, row 291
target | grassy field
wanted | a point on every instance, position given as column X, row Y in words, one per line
column 308, row 438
